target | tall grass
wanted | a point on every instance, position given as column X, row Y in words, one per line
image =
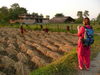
column 53, row 27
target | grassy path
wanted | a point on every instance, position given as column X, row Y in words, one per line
column 95, row 67
column 95, row 63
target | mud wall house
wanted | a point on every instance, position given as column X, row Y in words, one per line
column 23, row 19
column 26, row 19
column 65, row 19
column 45, row 20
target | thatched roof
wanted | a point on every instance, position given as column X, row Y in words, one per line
column 62, row 19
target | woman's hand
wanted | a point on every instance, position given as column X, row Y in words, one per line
column 78, row 27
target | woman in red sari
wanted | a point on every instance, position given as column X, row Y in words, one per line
column 83, row 51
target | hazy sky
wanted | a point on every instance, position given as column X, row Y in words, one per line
column 51, row 7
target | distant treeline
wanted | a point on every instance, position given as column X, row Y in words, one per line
column 15, row 10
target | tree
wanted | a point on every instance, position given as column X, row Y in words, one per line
column 80, row 17
column 59, row 15
column 35, row 14
column 80, row 14
column 4, row 13
column 16, row 10
column 86, row 13
column 47, row 16
column 41, row 15
column 15, row 6
column 22, row 10
column 98, row 18
column 11, row 13
column 93, row 20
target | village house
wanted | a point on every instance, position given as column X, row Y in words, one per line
column 30, row 19
column 62, row 19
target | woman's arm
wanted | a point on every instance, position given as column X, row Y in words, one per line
column 80, row 30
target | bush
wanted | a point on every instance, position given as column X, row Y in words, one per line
column 79, row 20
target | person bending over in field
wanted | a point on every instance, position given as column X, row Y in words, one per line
column 46, row 30
column 22, row 30
column 41, row 26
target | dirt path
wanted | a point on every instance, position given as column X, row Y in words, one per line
column 95, row 67
column 98, row 34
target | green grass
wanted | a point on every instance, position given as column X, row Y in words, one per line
column 95, row 47
column 63, row 66
column 53, row 27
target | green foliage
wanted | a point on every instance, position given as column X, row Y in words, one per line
column 96, row 28
column 15, row 5
column 96, row 46
column 79, row 20
column 80, row 14
column 35, row 14
column 59, row 15
column 86, row 13
column 11, row 13
column 15, row 11
column 98, row 19
column 54, row 27
column 4, row 14
column 73, row 31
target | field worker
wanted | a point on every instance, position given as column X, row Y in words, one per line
column 22, row 30
column 67, row 27
column 83, row 52
column 41, row 26
column 46, row 30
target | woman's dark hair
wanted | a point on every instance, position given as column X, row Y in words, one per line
column 86, row 21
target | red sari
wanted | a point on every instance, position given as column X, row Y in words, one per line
column 83, row 51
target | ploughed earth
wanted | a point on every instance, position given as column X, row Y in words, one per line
column 21, row 54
